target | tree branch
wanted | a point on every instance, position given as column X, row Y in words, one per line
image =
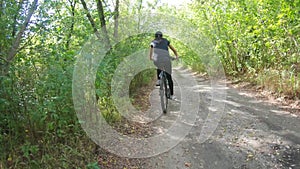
column 2, row 58
column 73, row 5
column 17, row 41
column 15, row 18
column 102, row 22
column 29, row 38
column 90, row 18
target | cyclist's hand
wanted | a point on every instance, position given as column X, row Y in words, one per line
column 176, row 58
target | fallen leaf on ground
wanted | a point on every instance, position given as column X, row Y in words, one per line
column 187, row 164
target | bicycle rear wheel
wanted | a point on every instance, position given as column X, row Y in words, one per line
column 163, row 94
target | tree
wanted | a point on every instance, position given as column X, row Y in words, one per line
column 103, row 28
column 73, row 6
column 116, row 19
column 17, row 38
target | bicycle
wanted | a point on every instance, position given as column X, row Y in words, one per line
column 164, row 90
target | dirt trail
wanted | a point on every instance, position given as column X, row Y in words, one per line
column 250, row 134
column 230, row 130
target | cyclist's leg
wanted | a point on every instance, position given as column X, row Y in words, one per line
column 159, row 67
column 158, row 73
column 170, row 81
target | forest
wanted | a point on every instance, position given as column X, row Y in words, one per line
column 255, row 41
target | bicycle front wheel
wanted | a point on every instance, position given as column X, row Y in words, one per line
column 163, row 94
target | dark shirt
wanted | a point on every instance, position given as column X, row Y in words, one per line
column 161, row 44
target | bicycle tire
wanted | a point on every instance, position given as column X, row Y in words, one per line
column 163, row 94
column 166, row 94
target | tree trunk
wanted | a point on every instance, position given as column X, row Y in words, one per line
column 73, row 5
column 103, row 23
column 90, row 18
column 16, row 43
column 139, row 8
column 1, row 8
column 116, row 19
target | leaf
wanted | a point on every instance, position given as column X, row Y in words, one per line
column 93, row 166
column 188, row 164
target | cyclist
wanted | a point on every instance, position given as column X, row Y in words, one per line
column 159, row 53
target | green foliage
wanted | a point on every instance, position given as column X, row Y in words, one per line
column 36, row 97
column 257, row 40
column 188, row 57
column 93, row 166
column 141, row 79
column 252, row 36
column 108, row 110
column 108, row 66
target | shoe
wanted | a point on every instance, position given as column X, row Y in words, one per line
column 172, row 97
column 157, row 82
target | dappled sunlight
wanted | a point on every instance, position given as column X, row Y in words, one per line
column 255, row 101
column 235, row 104
column 280, row 112
column 67, row 86
column 249, row 138
column 213, row 109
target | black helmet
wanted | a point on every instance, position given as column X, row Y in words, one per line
column 158, row 34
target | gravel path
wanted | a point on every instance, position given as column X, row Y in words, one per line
column 250, row 134
column 223, row 128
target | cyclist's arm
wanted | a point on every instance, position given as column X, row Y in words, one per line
column 174, row 51
column 151, row 53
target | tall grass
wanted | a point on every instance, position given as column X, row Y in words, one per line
column 283, row 83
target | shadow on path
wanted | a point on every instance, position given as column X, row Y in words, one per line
column 250, row 134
